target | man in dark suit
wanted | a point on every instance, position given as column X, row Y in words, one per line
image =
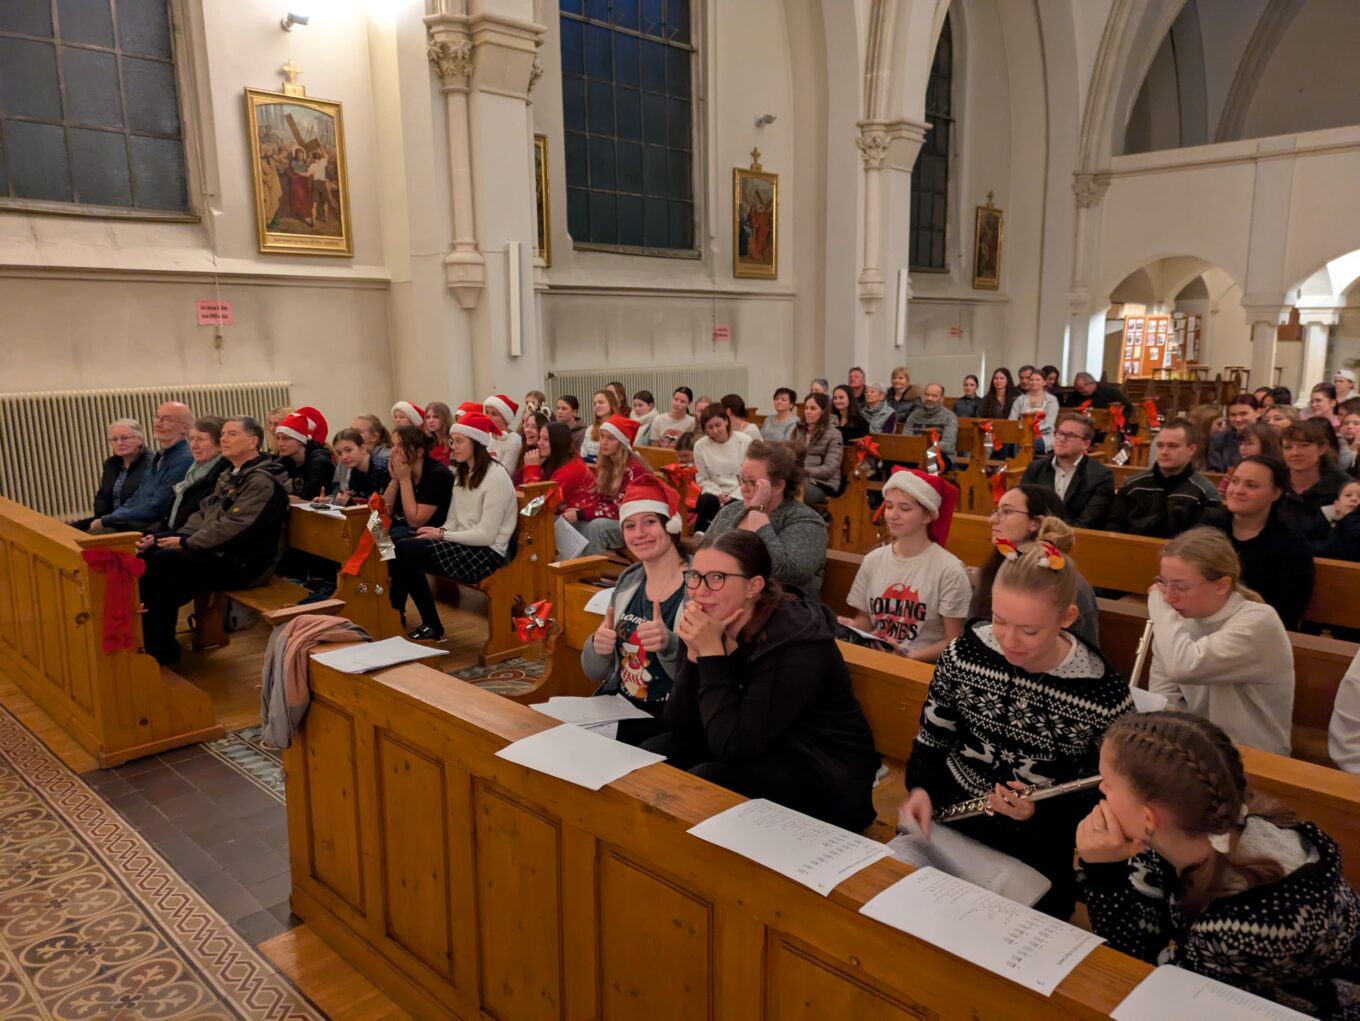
column 1085, row 486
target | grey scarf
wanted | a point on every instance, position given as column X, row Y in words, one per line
column 198, row 471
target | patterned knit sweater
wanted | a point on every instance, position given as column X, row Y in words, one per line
column 1294, row 940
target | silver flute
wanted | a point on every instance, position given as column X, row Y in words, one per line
column 1034, row 792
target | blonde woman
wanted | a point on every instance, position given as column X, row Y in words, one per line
column 604, row 405
column 903, row 397
column 271, row 423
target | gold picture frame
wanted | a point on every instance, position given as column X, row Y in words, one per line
column 293, row 139
column 544, row 225
column 755, row 222
column 987, row 247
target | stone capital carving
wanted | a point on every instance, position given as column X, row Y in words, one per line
column 873, row 148
column 535, row 73
column 1090, row 189
column 452, row 60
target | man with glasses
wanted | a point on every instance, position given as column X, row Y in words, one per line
column 1085, row 486
column 171, row 462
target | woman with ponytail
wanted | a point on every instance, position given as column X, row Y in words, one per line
column 1182, row 866
column 1217, row 649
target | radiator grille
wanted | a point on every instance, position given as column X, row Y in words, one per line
column 714, row 380
column 52, row 443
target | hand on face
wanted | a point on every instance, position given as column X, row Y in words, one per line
column 1100, row 838
column 702, row 634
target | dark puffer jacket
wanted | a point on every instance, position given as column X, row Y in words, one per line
column 245, row 520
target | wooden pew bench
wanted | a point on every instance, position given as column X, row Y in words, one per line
column 117, row 706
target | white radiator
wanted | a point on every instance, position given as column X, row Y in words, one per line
column 53, row 444
column 713, row 380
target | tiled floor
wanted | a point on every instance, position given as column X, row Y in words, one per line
column 219, row 829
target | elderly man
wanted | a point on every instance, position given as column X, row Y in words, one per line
column 234, row 540
column 1085, row 387
column 154, row 496
column 819, row 386
column 932, row 414
column 881, row 416
column 1085, row 486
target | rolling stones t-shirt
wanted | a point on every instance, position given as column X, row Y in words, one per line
column 642, row 679
column 906, row 597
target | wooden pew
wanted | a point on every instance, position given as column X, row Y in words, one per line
column 521, row 896
column 118, row 706
column 851, row 527
column 521, row 582
column 657, row 457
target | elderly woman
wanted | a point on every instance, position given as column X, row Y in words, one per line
column 877, row 411
column 205, row 444
column 123, row 470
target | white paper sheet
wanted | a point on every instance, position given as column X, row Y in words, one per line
column 326, row 509
column 984, row 928
column 570, row 542
column 599, row 602
column 960, row 855
column 609, row 730
column 586, row 710
column 805, row 849
column 1145, row 701
column 578, row 756
column 365, row 657
column 1173, row 994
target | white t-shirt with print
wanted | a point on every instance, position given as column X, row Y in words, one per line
column 906, row 598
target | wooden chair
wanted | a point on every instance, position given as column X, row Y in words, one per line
column 851, row 527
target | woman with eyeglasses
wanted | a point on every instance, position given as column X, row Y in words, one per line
column 124, row 469
column 1217, row 649
column 763, row 704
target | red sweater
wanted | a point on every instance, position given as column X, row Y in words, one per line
column 594, row 504
column 575, row 478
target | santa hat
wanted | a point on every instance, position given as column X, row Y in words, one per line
column 467, row 407
column 649, row 495
column 412, row 411
column 936, row 495
column 476, row 426
column 502, row 404
column 304, row 424
column 622, row 428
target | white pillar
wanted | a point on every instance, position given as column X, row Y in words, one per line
column 1317, row 333
column 1265, row 321
column 1087, row 319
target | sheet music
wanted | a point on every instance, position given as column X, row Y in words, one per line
column 599, row 602
column 570, row 542
column 984, row 928
column 1145, row 701
column 586, row 710
column 365, row 657
column 805, row 849
column 1174, row 994
column 329, row 510
column 960, row 855
column 578, row 756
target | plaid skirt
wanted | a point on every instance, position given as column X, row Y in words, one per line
column 467, row 564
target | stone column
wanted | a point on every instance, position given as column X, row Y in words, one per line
column 1086, row 321
column 1265, row 321
column 1317, row 334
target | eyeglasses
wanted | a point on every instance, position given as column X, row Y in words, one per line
column 121, row 439
column 746, row 481
column 1064, row 434
column 713, row 580
column 1180, row 588
column 1001, row 512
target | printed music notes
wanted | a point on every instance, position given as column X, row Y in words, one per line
column 1173, row 994
column 578, row 756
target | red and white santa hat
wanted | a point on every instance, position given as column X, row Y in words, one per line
column 304, row 424
column 622, row 428
column 412, row 411
column 502, row 404
column 476, row 426
column 937, row 496
column 467, row 407
column 649, row 495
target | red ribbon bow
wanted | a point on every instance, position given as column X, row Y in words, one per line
column 537, row 620
column 865, row 446
column 1150, row 415
column 933, row 435
column 1085, row 407
column 356, row 560
column 120, row 571
column 1117, row 416
column 678, row 471
column 1038, row 417
column 984, row 427
column 998, row 483
column 553, row 497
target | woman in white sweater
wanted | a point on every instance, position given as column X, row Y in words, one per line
column 475, row 538
column 1217, row 649
column 717, row 464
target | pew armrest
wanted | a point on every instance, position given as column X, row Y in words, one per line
column 281, row 616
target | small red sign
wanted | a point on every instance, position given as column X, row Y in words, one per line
column 955, row 331
column 215, row 313
column 722, row 332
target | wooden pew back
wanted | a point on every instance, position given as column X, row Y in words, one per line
column 521, row 582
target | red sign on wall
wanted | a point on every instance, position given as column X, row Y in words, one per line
column 215, row 313
column 722, row 332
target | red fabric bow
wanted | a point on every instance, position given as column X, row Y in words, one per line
column 998, row 484
column 1150, row 415
column 536, row 621
column 933, row 435
column 1006, row 548
column 1053, row 557
column 1117, row 416
column 1038, row 417
column 1085, row 407
column 356, row 560
column 678, row 471
column 984, row 426
column 865, row 446
column 120, row 571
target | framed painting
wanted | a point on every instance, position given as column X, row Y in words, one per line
column 301, row 176
column 541, row 198
column 755, row 223
column 987, row 247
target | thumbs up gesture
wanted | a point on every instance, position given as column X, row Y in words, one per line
column 605, row 637
column 653, row 635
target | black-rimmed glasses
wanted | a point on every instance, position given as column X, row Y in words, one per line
column 714, row 580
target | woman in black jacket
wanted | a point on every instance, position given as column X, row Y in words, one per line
column 205, row 444
column 763, row 704
column 123, row 470
column 1001, row 395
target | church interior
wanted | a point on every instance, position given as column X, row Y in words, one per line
column 523, row 509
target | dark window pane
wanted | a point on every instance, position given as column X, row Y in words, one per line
column 578, row 175
column 85, row 21
column 677, row 180
column 31, row 17
column 4, row 172
column 597, row 9
column 654, row 66
column 92, row 95
column 600, row 108
column 678, row 125
column 38, row 168
column 628, row 104
column 652, row 23
column 654, row 223
column 630, row 221
column 144, row 27
column 573, row 47
column 28, row 80
column 626, row 16
column 573, row 6
column 681, row 224
column 677, row 20
column 930, row 175
column 937, row 251
column 653, row 170
column 604, row 227
column 99, row 167
column 578, row 214
column 602, row 163
column 599, row 56
column 677, row 72
column 573, row 103
column 653, row 118
column 150, row 90
column 630, row 167
column 158, row 172
column 626, row 70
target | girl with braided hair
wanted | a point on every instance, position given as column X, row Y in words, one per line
column 1181, row 865
column 1018, row 700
